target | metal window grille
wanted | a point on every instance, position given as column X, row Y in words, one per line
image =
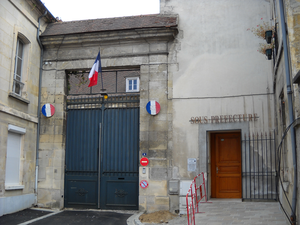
column 90, row 102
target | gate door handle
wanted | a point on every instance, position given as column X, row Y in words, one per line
column 217, row 169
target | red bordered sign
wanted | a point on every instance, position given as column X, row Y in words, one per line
column 144, row 184
column 144, row 161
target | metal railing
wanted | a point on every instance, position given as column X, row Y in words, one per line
column 259, row 167
column 97, row 101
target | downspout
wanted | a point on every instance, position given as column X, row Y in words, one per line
column 290, row 105
column 38, row 108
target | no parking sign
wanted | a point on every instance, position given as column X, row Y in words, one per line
column 144, row 184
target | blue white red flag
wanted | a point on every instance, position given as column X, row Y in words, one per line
column 93, row 75
column 48, row 110
column 153, row 107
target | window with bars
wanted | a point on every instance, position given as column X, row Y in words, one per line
column 17, row 84
column 115, row 82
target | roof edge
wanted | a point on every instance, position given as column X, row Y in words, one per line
column 111, row 24
column 42, row 8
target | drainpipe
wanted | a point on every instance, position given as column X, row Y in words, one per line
column 38, row 108
column 290, row 104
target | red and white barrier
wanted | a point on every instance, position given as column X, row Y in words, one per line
column 195, row 195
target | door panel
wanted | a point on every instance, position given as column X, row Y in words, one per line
column 81, row 163
column 226, row 165
column 81, row 191
column 119, row 159
column 121, row 193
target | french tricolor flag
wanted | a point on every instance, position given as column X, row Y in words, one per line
column 153, row 107
column 48, row 110
column 93, row 76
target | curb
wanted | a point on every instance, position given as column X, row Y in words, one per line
column 134, row 219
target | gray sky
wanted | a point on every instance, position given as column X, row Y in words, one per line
column 68, row 10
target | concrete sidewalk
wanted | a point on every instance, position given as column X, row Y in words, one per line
column 232, row 211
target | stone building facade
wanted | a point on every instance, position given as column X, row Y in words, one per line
column 141, row 42
column 199, row 62
column 19, row 88
column 285, row 15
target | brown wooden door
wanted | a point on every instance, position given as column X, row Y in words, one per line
column 226, row 165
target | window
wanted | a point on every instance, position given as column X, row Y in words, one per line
column 132, row 84
column 17, row 84
column 13, row 157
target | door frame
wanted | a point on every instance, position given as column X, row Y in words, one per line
column 204, row 131
column 213, row 149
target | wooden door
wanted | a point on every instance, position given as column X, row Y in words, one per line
column 226, row 165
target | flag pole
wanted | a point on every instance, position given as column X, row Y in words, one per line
column 101, row 71
column 103, row 91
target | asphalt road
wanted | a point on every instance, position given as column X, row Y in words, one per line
column 66, row 217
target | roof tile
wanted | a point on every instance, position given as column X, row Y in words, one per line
column 110, row 24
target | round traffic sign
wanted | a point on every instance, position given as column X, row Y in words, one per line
column 144, row 161
column 144, row 184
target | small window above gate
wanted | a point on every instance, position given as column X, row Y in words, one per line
column 132, row 84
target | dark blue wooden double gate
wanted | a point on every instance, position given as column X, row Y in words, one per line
column 102, row 145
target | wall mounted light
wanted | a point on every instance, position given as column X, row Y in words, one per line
column 103, row 93
column 269, row 53
column 268, row 36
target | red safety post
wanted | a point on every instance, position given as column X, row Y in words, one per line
column 200, row 190
column 190, row 209
column 196, row 192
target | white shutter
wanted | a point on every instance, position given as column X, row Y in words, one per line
column 12, row 168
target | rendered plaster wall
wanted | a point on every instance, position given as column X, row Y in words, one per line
column 219, row 72
column 151, row 57
column 17, row 18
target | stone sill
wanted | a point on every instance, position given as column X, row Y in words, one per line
column 14, row 187
column 13, row 95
